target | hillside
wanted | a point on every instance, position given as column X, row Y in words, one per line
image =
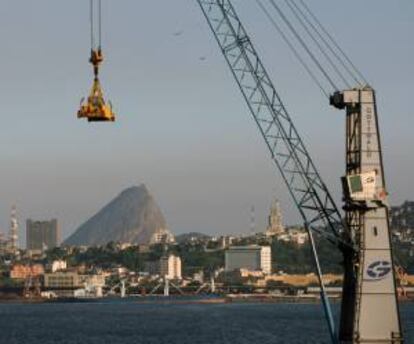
column 133, row 216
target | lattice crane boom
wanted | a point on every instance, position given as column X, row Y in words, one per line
column 288, row 152
column 287, row 149
column 369, row 312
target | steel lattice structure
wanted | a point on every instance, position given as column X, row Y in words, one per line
column 287, row 149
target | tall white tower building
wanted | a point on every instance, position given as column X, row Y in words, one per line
column 170, row 267
column 14, row 231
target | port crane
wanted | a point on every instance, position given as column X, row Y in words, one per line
column 369, row 311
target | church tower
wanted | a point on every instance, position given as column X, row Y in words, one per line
column 275, row 221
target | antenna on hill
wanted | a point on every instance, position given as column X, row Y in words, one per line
column 252, row 220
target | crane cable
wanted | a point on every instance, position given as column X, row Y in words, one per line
column 296, row 13
column 100, row 22
column 304, row 45
column 92, row 23
column 333, row 41
column 292, row 48
column 327, row 44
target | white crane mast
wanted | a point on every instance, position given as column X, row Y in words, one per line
column 370, row 306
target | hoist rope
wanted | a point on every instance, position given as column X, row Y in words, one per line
column 331, row 38
column 100, row 22
column 98, row 18
column 91, row 23
column 304, row 45
column 326, row 43
column 292, row 48
column 318, row 44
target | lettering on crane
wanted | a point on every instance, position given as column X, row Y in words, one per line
column 369, row 131
column 378, row 270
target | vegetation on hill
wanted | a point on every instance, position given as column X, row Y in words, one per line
column 286, row 256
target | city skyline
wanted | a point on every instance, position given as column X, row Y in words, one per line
column 273, row 221
column 192, row 156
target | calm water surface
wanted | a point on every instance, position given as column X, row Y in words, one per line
column 134, row 323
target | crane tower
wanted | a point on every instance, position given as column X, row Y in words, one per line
column 370, row 306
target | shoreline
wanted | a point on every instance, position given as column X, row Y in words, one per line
column 187, row 299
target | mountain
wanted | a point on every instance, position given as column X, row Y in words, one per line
column 133, row 216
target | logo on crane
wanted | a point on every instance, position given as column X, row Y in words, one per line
column 378, row 270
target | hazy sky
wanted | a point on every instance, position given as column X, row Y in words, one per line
column 183, row 128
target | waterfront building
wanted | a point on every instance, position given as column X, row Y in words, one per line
column 152, row 267
column 62, row 280
column 23, row 272
column 72, row 284
column 42, row 235
column 92, row 284
column 252, row 257
column 170, row 267
column 59, row 265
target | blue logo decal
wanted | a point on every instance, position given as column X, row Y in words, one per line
column 378, row 270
